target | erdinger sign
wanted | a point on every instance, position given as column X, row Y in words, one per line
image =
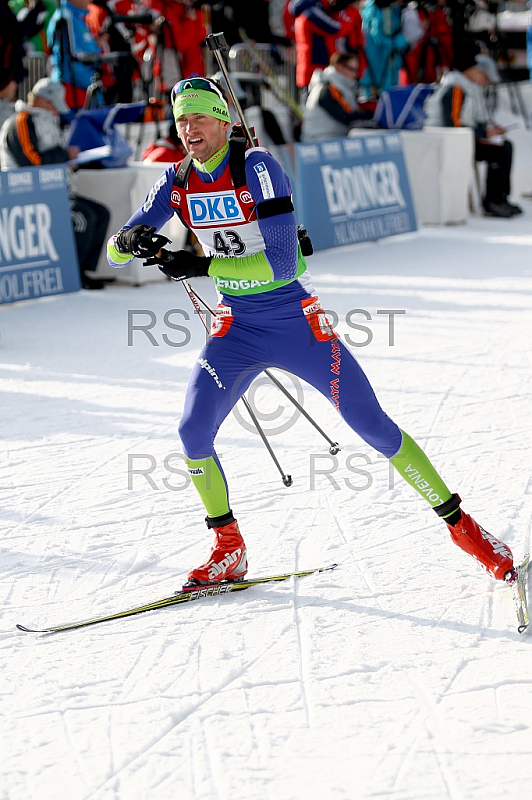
column 37, row 250
column 354, row 189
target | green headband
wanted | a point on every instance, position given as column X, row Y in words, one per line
column 198, row 101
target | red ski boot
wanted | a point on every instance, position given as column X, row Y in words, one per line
column 494, row 555
column 228, row 558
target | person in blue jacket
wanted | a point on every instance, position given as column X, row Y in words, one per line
column 384, row 44
column 238, row 203
column 69, row 38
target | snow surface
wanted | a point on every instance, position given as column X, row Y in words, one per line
column 399, row 676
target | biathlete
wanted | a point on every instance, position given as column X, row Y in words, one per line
column 238, row 203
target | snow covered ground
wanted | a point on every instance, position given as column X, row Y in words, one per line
column 397, row 676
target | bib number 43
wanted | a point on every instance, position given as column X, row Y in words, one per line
column 228, row 243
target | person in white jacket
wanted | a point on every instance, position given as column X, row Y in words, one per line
column 32, row 137
column 332, row 108
column 458, row 101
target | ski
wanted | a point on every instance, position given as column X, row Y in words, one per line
column 179, row 597
column 518, row 585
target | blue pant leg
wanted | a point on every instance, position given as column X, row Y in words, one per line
column 333, row 370
column 223, row 371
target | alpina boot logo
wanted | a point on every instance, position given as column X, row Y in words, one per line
column 498, row 547
column 230, row 558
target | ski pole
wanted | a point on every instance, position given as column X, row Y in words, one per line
column 196, row 299
column 287, row 479
column 216, row 44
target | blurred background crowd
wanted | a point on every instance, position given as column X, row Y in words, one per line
column 120, row 51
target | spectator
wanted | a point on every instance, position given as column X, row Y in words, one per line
column 458, row 101
column 413, row 24
column 192, row 35
column 312, row 27
column 431, row 54
column 331, row 107
column 182, row 33
column 72, row 45
column 36, row 43
column 32, row 136
column 165, row 149
column 114, row 37
column 351, row 36
column 8, row 91
column 288, row 21
column 385, row 44
column 13, row 35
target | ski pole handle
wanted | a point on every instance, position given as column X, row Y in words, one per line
column 216, row 41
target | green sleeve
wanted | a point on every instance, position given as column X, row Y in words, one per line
column 120, row 259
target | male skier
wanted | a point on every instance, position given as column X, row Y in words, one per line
column 239, row 206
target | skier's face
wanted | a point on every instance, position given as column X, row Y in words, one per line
column 202, row 135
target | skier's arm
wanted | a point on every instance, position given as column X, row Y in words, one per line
column 297, row 7
column 154, row 212
column 322, row 22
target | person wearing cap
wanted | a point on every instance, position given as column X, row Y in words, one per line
column 33, row 137
column 458, row 101
column 239, row 206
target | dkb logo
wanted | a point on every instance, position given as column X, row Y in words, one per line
column 214, row 209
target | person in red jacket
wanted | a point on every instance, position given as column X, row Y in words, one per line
column 183, row 34
column 288, row 21
column 313, row 28
column 321, row 27
column 433, row 53
column 192, row 35
column 350, row 37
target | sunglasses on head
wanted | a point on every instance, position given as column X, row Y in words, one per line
column 197, row 84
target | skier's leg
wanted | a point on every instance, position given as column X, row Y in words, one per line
column 414, row 466
column 223, row 371
column 326, row 363
column 215, row 385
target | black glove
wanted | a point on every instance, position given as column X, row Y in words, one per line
column 140, row 240
column 180, row 264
